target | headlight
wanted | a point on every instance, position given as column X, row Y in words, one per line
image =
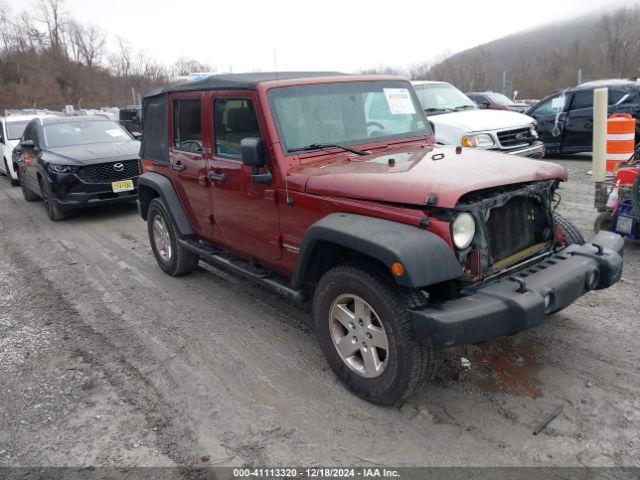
column 53, row 168
column 477, row 140
column 463, row 228
column 534, row 133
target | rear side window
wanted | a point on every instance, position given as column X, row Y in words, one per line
column 616, row 95
column 234, row 119
column 187, row 131
column 582, row 99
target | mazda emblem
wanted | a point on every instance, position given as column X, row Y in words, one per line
column 118, row 167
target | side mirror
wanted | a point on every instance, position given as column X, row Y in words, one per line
column 26, row 144
column 433, row 127
column 136, row 135
column 253, row 154
column 485, row 104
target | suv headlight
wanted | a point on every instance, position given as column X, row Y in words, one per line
column 477, row 140
column 534, row 132
column 54, row 168
column 463, row 228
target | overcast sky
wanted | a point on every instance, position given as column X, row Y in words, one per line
column 344, row 35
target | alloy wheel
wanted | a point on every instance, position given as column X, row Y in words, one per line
column 161, row 238
column 358, row 335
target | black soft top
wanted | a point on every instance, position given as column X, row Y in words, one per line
column 236, row 81
column 155, row 104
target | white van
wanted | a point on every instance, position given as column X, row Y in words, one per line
column 458, row 121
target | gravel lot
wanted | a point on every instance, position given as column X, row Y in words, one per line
column 105, row 360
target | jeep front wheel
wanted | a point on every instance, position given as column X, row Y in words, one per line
column 363, row 326
column 172, row 258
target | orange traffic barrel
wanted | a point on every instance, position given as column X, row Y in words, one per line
column 621, row 135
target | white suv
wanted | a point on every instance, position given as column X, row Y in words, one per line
column 458, row 121
column 11, row 129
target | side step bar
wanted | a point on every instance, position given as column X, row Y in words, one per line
column 217, row 257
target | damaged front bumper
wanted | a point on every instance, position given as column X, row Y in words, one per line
column 522, row 300
column 535, row 150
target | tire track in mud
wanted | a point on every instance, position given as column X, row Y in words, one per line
column 174, row 439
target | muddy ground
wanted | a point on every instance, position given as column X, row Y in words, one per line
column 105, row 360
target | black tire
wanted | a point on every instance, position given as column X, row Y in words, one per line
column 409, row 362
column 178, row 260
column 28, row 195
column 574, row 237
column 635, row 197
column 604, row 221
column 14, row 183
column 53, row 211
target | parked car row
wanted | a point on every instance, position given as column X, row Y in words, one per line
column 335, row 188
column 496, row 101
column 565, row 118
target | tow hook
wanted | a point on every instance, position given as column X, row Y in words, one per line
column 522, row 285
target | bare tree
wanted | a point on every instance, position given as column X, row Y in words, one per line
column 185, row 66
column 54, row 19
column 88, row 43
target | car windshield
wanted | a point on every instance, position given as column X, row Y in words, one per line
column 83, row 132
column 347, row 113
column 442, row 97
column 16, row 129
column 500, row 99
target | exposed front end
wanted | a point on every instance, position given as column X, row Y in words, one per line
column 517, row 268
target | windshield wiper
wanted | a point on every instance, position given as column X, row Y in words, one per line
column 464, row 107
column 439, row 109
column 321, row 146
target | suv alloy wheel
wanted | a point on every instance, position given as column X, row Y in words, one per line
column 363, row 326
column 172, row 258
column 53, row 212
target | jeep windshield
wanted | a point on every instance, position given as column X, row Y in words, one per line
column 439, row 98
column 346, row 113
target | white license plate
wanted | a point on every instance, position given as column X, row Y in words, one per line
column 122, row 186
column 624, row 225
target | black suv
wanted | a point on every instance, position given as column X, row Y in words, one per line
column 565, row 118
column 76, row 162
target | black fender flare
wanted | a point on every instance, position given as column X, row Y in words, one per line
column 426, row 258
column 164, row 188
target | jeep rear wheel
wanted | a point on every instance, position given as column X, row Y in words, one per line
column 363, row 326
column 172, row 258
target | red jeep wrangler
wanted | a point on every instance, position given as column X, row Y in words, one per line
column 331, row 186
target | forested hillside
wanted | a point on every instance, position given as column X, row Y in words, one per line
column 545, row 59
column 48, row 60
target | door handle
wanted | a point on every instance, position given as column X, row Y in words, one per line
column 216, row 177
column 178, row 166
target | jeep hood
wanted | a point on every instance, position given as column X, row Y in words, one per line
column 481, row 120
column 94, row 153
column 410, row 177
